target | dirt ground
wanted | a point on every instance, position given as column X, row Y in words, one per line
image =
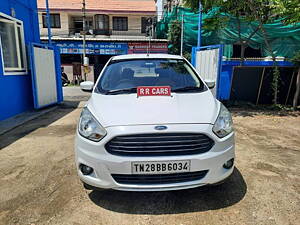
column 39, row 185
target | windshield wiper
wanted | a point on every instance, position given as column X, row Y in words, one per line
column 187, row 89
column 121, row 91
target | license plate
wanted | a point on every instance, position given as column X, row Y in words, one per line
column 160, row 167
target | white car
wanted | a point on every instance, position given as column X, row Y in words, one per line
column 152, row 124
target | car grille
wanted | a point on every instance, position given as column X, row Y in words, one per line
column 159, row 178
column 163, row 144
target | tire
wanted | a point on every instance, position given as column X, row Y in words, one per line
column 91, row 188
column 87, row 186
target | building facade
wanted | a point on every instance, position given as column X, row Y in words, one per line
column 18, row 29
column 113, row 27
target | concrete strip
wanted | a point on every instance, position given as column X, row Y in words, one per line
column 18, row 120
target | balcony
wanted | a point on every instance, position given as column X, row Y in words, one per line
column 78, row 32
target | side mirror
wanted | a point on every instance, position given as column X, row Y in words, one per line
column 87, row 86
column 210, row 84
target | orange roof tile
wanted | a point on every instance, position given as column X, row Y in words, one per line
column 101, row 5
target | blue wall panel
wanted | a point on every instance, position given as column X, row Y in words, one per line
column 16, row 90
column 227, row 72
column 225, row 82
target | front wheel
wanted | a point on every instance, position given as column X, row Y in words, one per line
column 87, row 186
column 91, row 188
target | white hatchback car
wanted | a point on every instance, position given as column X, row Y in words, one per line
column 152, row 124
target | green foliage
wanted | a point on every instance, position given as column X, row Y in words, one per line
column 296, row 59
column 275, row 83
column 289, row 9
column 215, row 23
column 244, row 9
column 244, row 12
column 187, row 55
column 174, row 36
column 194, row 5
column 279, row 107
column 266, row 10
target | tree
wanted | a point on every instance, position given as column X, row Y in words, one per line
column 296, row 61
column 174, row 36
column 241, row 11
column 288, row 9
column 261, row 11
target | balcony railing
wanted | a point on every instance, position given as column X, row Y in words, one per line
column 106, row 32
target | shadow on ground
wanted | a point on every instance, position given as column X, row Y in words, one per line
column 173, row 202
column 43, row 121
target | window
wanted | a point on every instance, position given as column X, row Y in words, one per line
column 78, row 24
column 128, row 74
column 12, row 45
column 145, row 22
column 101, row 22
column 120, row 23
column 54, row 20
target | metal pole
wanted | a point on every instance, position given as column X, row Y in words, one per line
column 290, row 86
column 199, row 24
column 149, row 44
column 84, row 36
column 48, row 22
column 181, row 39
column 152, row 28
column 260, row 85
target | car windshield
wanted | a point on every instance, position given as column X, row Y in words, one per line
column 124, row 76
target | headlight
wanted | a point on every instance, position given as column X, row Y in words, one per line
column 89, row 127
column 223, row 125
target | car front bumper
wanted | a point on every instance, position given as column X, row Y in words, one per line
column 93, row 154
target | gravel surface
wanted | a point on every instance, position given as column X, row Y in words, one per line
column 39, row 185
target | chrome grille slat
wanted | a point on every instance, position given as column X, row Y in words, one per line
column 157, row 136
column 148, row 151
column 159, row 144
column 156, row 146
column 155, row 142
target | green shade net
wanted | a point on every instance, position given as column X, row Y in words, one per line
column 284, row 39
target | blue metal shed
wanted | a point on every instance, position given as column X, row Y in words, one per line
column 19, row 29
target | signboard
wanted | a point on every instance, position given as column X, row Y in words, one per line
column 142, row 47
column 92, row 48
column 153, row 91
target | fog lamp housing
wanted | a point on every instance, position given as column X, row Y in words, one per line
column 86, row 170
column 229, row 164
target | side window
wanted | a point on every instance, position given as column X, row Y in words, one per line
column 54, row 20
column 12, row 45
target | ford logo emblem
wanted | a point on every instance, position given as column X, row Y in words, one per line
column 160, row 127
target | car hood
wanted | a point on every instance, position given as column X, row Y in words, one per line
column 128, row 109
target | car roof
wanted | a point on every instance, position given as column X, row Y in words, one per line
column 146, row 56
